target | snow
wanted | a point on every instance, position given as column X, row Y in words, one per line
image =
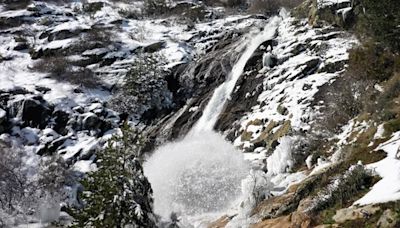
column 285, row 83
column 326, row 3
column 84, row 166
column 81, row 145
column 379, row 132
column 388, row 188
column 2, row 114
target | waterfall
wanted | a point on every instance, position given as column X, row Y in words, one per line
column 202, row 173
column 222, row 93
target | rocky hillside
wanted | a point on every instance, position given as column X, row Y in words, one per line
column 314, row 111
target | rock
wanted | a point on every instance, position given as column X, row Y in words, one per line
column 91, row 121
column 154, row 47
column 220, row 223
column 353, row 213
column 60, row 119
column 50, row 147
column 64, row 34
column 388, row 219
column 282, row 110
column 35, row 113
column 42, row 89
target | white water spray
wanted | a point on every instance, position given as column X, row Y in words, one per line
column 202, row 173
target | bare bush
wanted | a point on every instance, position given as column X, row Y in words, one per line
column 61, row 69
column 24, row 188
column 340, row 101
column 155, row 7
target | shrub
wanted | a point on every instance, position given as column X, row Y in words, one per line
column 234, row 3
column 95, row 37
column 381, row 21
column 60, row 68
column 271, row 6
column 343, row 188
column 372, row 62
column 340, row 103
column 155, row 7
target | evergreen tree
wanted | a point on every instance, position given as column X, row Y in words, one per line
column 117, row 194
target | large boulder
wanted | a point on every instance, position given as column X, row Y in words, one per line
column 33, row 111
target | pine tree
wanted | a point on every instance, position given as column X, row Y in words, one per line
column 117, row 194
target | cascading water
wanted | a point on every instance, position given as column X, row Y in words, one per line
column 202, row 173
column 223, row 92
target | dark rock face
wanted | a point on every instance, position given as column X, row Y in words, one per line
column 33, row 111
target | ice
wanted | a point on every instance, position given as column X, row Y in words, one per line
column 281, row 159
